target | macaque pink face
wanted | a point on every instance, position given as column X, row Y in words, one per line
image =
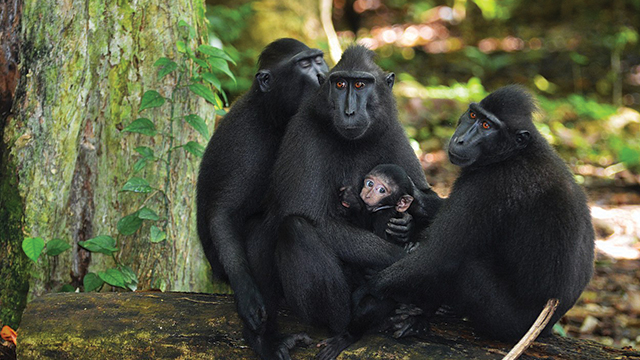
column 375, row 189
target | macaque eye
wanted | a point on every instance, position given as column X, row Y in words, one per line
column 359, row 84
column 472, row 114
column 368, row 183
column 341, row 84
column 382, row 190
column 318, row 60
column 305, row 63
column 486, row 125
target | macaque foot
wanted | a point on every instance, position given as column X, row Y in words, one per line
column 332, row 347
column 408, row 320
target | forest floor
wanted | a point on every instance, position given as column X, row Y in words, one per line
column 609, row 309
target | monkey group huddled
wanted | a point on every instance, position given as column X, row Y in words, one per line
column 310, row 183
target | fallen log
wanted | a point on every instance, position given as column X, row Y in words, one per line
column 155, row 325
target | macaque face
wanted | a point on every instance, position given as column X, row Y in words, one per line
column 375, row 190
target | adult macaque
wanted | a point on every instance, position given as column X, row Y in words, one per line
column 231, row 186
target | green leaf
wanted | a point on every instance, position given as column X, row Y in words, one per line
column 130, row 277
column 139, row 165
column 224, row 95
column 222, row 65
column 215, row 52
column 181, row 46
column 67, row 288
column 192, row 31
column 137, row 185
column 212, row 79
column 147, row 214
column 33, row 247
column 157, row 235
column 103, row 244
column 56, row 247
column 194, row 148
column 204, row 92
column 198, row 124
column 166, row 66
column 203, row 64
column 129, row 224
column 219, row 104
column 112, row 277
column 145, row 151
column 151, row 99
column 221, row 112
column 92, row 282
column 163, row 61
column 143, row 126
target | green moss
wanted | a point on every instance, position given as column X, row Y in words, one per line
column 14, row 264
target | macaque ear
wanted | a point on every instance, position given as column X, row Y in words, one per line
column 264, row 80
column 404, row 203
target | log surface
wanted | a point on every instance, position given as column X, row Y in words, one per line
column 155, row 325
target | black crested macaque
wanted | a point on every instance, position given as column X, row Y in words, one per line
column 232, row 183
column 385, row 196
column 515, row 232
column 346, row 128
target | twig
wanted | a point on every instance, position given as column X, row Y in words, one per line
column 534, row 330
column 327, row 24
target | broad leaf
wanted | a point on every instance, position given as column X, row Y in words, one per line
column 215, row 52
column 56, row 247
column 130, row 277
column 157, row 235
column 33, row 247
column 203, row 64
column 67, row 288
column 192, row 31
column 204, row 92
column 103, row 244
column 92, row 282
column 194, row 148
column 129, row 224
column 212, row 79
column 112, row 277
column 138, row 185
column 163, row 61
column 223, row 66
column 198, row 124
column 142, row 126
column 181, row 46
column 166, row 66
column 145, row 151
column 147, row 214
column 139, row 165
column 151, row 99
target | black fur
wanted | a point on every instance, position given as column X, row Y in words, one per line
column 234, row 178
column 378, row 220
column 515, row 231
column 318, row 252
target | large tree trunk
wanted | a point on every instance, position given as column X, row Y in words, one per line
column 84, row 67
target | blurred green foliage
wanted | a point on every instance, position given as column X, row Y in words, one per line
column 580, row 58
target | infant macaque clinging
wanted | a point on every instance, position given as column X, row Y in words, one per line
column 386, row 193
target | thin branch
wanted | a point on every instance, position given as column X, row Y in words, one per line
column 327, row 24
column 534, row 330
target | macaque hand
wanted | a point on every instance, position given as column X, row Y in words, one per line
column 399, row 228
column 251, row 308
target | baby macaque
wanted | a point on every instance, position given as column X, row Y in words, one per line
column 385, row 197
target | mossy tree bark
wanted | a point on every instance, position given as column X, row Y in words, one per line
column 84, row 67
